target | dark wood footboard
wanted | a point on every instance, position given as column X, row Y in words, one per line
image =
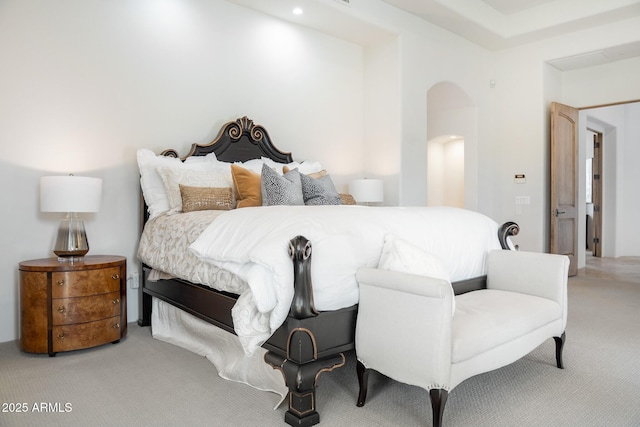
column 308, row 343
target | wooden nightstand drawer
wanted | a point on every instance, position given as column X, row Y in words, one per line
column 85, row 309
column 85, row 335
column 87, row 282
column 72, row 305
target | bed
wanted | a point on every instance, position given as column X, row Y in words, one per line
column 308, row 340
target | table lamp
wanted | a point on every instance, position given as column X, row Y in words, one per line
column 366, row 190
column 70, row 194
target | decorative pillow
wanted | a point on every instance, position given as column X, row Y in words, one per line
column 281, row 190
column 206, row 198
column 213, row 175
column 153, row 188
column 320, row 191
column 247, row 187
column 405, row 257
column 347, row 199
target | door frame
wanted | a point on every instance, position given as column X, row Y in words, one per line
column 597, row 178
column 564, row 179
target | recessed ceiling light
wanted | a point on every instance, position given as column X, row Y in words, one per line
column 297, row 11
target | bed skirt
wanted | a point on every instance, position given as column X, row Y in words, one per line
column 223, row 349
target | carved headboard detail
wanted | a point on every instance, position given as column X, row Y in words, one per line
column 239, row 141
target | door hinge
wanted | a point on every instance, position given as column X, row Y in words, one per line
column 596, row 240
column 596, row 145
column 596, row 176
column 596, row 208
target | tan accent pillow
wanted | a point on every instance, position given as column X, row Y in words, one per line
column 206, row 198
column 247, row 186
column 314, row 175
column 347, row 199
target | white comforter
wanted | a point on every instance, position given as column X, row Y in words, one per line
column 253, row 243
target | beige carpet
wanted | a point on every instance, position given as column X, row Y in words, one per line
column 145, row 382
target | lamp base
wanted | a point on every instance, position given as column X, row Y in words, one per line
column 70, row 258
column 71, row 242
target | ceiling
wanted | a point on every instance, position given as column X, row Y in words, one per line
column 499, row 24
column 493, row 24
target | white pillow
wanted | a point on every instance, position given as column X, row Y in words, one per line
column 254, row 165
column 207, row 174
column 306, row 167
column 405, row 257
column 152, row 185
column 211, row 157
column 273, row 164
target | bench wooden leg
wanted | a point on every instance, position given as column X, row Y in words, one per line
column 438, row 399
column 559, row 346
column 438, row 396
column 363, row 379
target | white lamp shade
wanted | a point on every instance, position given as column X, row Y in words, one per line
column 367, row 190
column 70, row 194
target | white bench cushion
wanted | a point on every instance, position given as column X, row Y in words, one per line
column 487, row 318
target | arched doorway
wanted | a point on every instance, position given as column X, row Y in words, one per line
column 452, row 147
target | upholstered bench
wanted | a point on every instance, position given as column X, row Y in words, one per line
column 436, row 345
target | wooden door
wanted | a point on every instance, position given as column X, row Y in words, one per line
column 596, row 191
column 564, row 183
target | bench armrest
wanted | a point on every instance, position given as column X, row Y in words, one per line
column 391, row 305
column 533, row 273
column 539, row 274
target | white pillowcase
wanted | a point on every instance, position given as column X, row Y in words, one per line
column 254, row 165
column 216, row 174
column 306, row 167
column 405, row 257
column 153, row 188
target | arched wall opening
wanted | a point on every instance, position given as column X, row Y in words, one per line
column 445, row 171
column 452, row 140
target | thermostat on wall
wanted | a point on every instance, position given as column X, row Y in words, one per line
column 519, row 178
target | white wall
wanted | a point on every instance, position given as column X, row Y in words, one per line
column 430, row 57
column 600, row 85
column 519, row 136
column 85, row 83
column 629, row 205
column 381, row 156
column 621, row 176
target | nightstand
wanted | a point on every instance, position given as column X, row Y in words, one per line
column 72, row 305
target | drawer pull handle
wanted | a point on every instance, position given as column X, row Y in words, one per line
column 115, row 276
column 115, row 325
column 61, row 335
column 115, row 300
column 60, row 282
column 61, row 309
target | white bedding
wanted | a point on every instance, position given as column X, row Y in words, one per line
column 253, row 244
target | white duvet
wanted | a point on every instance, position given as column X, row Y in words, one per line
column 253, row 243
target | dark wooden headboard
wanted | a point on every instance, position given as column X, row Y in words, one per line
column 239, row 141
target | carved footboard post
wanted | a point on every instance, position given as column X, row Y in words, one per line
column 309, row 342
column 507, row 230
